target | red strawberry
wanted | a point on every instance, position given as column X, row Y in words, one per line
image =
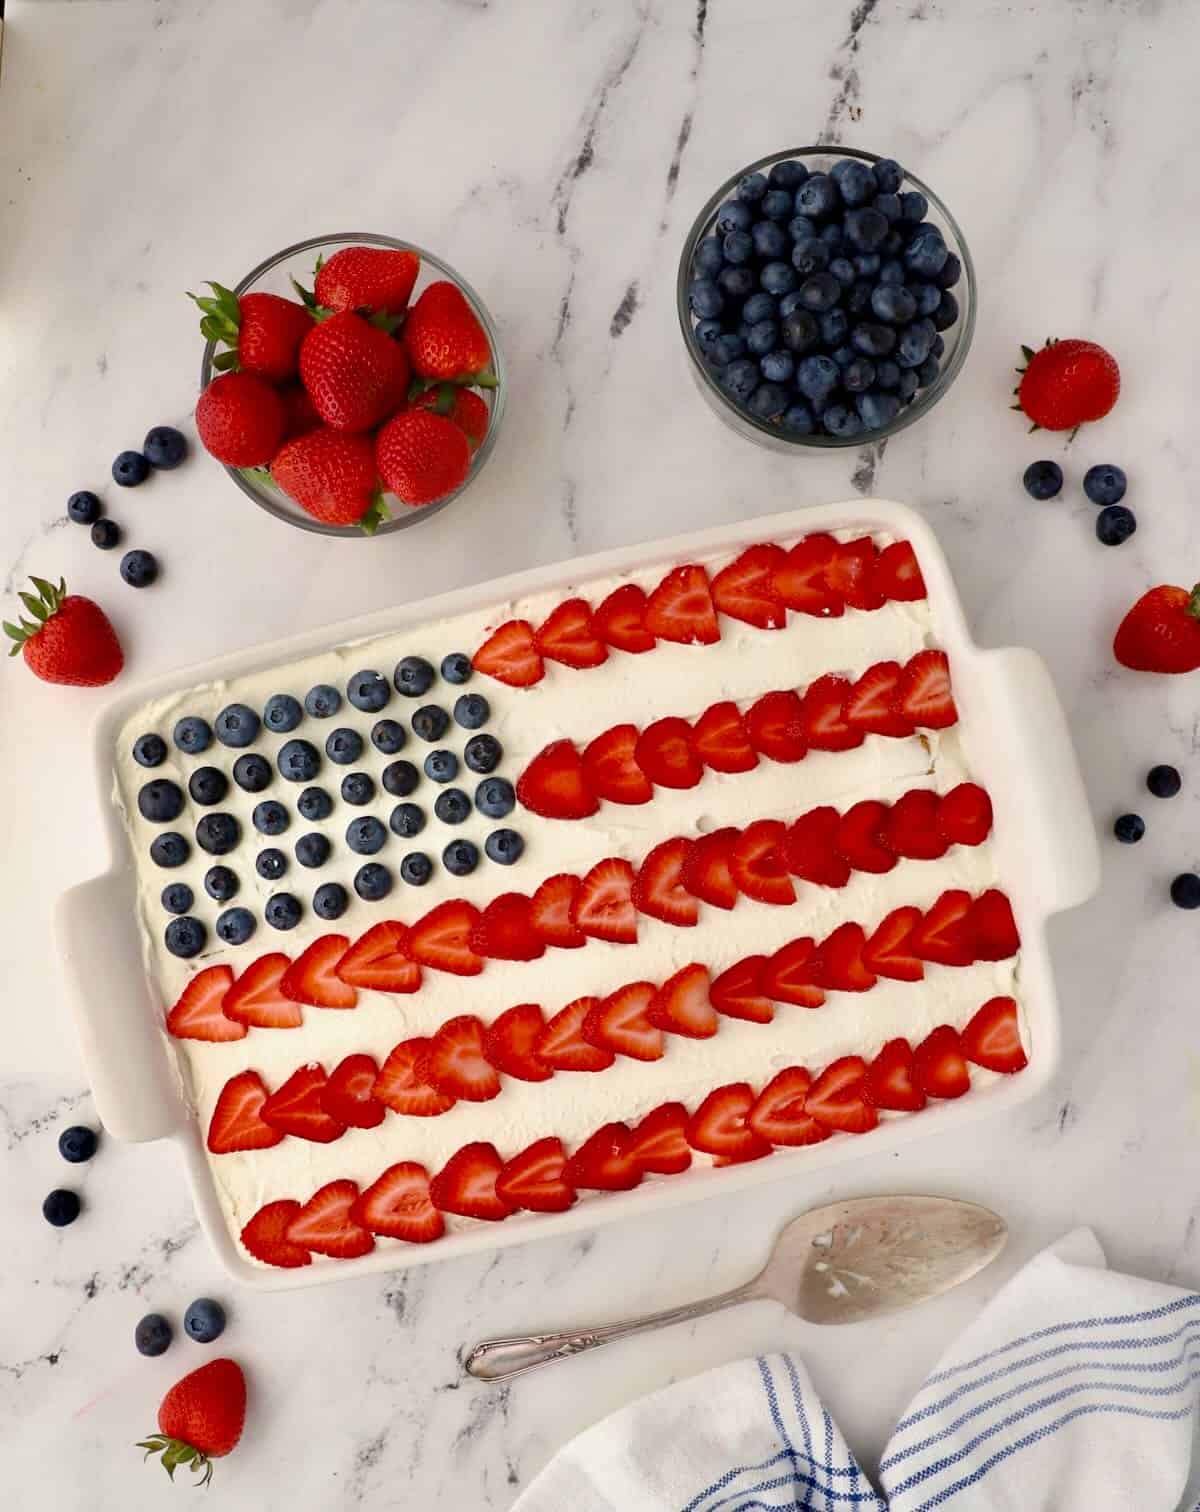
column 505, row 931
column 197, row 1015
column 851, row 574
column 897, row 573
column 297, row 1108
column 551, row 912
column 664, row 753
column 535, row 1179
column 567, row 635
column 659, row 890
column 511, row 1043
column 603, row 907
column 1066, row 384
column 681, row 608
column 941, row 1069
column 925, row 697
column 466, row 1184
column 836, row 1099
column 620, row 621
column 719, row 1125
column 791, row 975
column 888, row 953
column 681, row 1005
column 800, row 579
column 861, row 837
column 325, row 1223
column 200, row 1419
column 398, row 1205
column 706, row 870
column 462, row 405
column 659, row 1142
column 561, row 1044
column 1161, row 633
column 555, row 785
column 775, row 725
column 941, row 935
column 745, row 590
column 721, row 741
column 455, row 1061
column 380, row 959
column 300, row 415
column 444, row 337
column 367, row 278
column 993, row 1037
column 442, row 938
column 510, row 656
column 400, row 1086
column 809, row 848
column 67, row 639
column 757, row 864
column 738, row 991
column 991, row 928
column 330, row 474
column 825, row 724
column 912, row 828
column 892, row 1079
column 871, row 705
column 779, row 1115
column 842, row 965
column 235, row 1122
column 349, row 1094
column 421, row 456
column 605, row 1162
column 256, row 999
column 312, row 977
column 619, row 1023
column 240, row 420
column 265, row 1236
column 356, row 374
column 610, row 767
column 965, row 814
column 264, row 331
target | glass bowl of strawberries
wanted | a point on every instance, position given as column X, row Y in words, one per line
column 351, row 385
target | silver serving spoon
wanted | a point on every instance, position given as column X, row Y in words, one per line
column 837, row 1264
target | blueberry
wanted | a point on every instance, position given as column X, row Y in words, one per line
column 760, row 307
column 888, row 206
column 77, row 1144
column 298, row 761
column 236, row 725
column 946, row 313
column 312, row 850
column 951, row 271
column 105, row 534
column 416, row 869
column 1185, row 893
column 843, row 356
column 358, row 788
column 314, row 803
column 736, row 282
column 323, row 701
column 752, row 187
column 185, row 937
column 61, row 1208
column 834, row 238
column 928, row 371
column 83, row 507
column 893, row 242
column 164, row 448
column 1104, row 484
column 909, row 384
column 734, row 215
column 800, row 330
column 271, row 818
column 344, row 746
column 810, row 254
column 892, row 272
column 153, row 1335
column 368, row 691
column 738, row 248
column 218, row 834
column 1163, row 781
column 495, row 797
column 482, row 754
column 504, row 846
column 707, row 262
column 707, row 334
column 888, row 175
column 192, row 734
column 472, row 711
column 887, row 374
column 762, row 337
column 844, row 271
column 877, row 410
column 842, row 422
column 430, row 722
column 798, row 420
column 220, row 884
column 177, row 897
column 866, row 229
column 938, row 347
column 913, row 207
column 399, row 778
column 834, row 325
column 867, row 264
column 169, row 850
column 372, row 882
column 820, row 292
column 769, row 238
column 149, row 750
column 858, row 375
column 927, row 296
column 777, row 204
column 204, row 1320
column 366, row 835
column 788, row 303
column 270, row 864
column 129, row 469
column 139, row 568
column 816, row 377
column 816, row 196
column 788, row 174
column 854, row 179
column 915, row 341
column 460, row 858
column 926, row 254
column 441, row 766
column 207, row 785
column 768, row 401
column 873, row 340
column 778, row 367
column 236, row 925
column 705, row 301
column 1115, row 524
column 893, row 303
column 1129, row 828
column 728, row 348
column 778, row 278
column 858, row 298
column 330, row 900
column 452, row 806
column 283, row 911
column 252, row 772
column 160, row 801
column 282, row 713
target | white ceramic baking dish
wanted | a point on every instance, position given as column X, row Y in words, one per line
column 1019, row 747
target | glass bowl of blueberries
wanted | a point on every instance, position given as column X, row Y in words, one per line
column 826, row 298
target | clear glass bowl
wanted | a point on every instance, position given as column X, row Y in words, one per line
column 274, row 277
column 957, row 338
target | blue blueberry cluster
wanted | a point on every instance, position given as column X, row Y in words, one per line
column 76, row 1145
column 1104, row 485
column 1162, row 781
column 163, row 450
column 820, row 298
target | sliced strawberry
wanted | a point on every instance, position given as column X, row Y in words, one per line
column 991, row 928
column 745, row 590
column 265, row 1236
column 510, row 655
column 941, row 935
column 681, row 608
column 775, row 726
column 511, row 1043
column 198, row 1015
column 235, row 1122
column 659, row 1143
column 681, row 1005
column 504, row 930
column 719, row 1125
column 860, row 837
column 296, row 1107
column 619, row 1023
column 398, row 1205
column 925, row 696
column 825, row 724
column 892, row 1079
column 912, row 828
column 809, row 848
column 842, row 965
column 567, row 635
column 706, row 871
column 535, row 1179
column 455, row 1062
column 800, row 579
column 380, row 959
column 605, row 1161
column 349, row 1094
column 399, row 1083
column 836, row 1099
column 442, row 938
column 664, row 752
column 738, row 991
column 720, row 739
column 779, row 1115
column 312, row 977
column 791, row 974
column 256, row 999
column 561, row 1044
column 889, row 953
column 324, row 1224
column 620, row 621
column 603, row 906
column 965, row 814
column 555, row 785
column 550, row 912
column 872, row 704
column 659, row 890
column 993, row 1037
column 941, row 1068
column 466, row 1184
column 757, row 864
column 610, row 767
column 851, row 574
column 897, row 575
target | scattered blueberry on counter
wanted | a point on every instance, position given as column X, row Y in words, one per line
column 185, row 937
column 1104, row 484
column 323, row 701
column 504, row 846
column 129, row 469
column 372, row 882
column 204, row 1320
column 413, row 676
column 153, row 1335
column 83, row 507
column 192, row 734
column 61, row 1207
column 330, row 900
column 77, row 1144
column 139, row 568
column 1115, row 524
column 1164, row 781
column 416, row 869
column 1129, row 828
column 105, row 533
column 282, row 713
column 164, row 448
column 149, row 750
column 1043, row 480
column 271, row 818
column 1185, row 890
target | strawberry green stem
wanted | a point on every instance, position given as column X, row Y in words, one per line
column 1193, row 604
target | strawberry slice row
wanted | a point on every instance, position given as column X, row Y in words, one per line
column 733, row 1124
column 624, row 764
column 463, row 1060
column 819, row 576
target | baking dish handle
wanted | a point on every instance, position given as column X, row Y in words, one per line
column 115, row 1014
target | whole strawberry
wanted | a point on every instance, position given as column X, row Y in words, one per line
column 1066, row 384
column 421, row 456
column 300, row 414
column 240, row 419
column 1161, row 633
column 354, row 372
column 367, row 278
column 444, row 339
column 200, row 1419
column 70, row 640
column 263, row 331
column 329, row 473
column 462, row 405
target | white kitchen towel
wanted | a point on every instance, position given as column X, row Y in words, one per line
column 1076, row 1390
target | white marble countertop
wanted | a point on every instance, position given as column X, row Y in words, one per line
column 557, row 152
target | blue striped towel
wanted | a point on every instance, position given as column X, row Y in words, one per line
column 1074, row 1391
